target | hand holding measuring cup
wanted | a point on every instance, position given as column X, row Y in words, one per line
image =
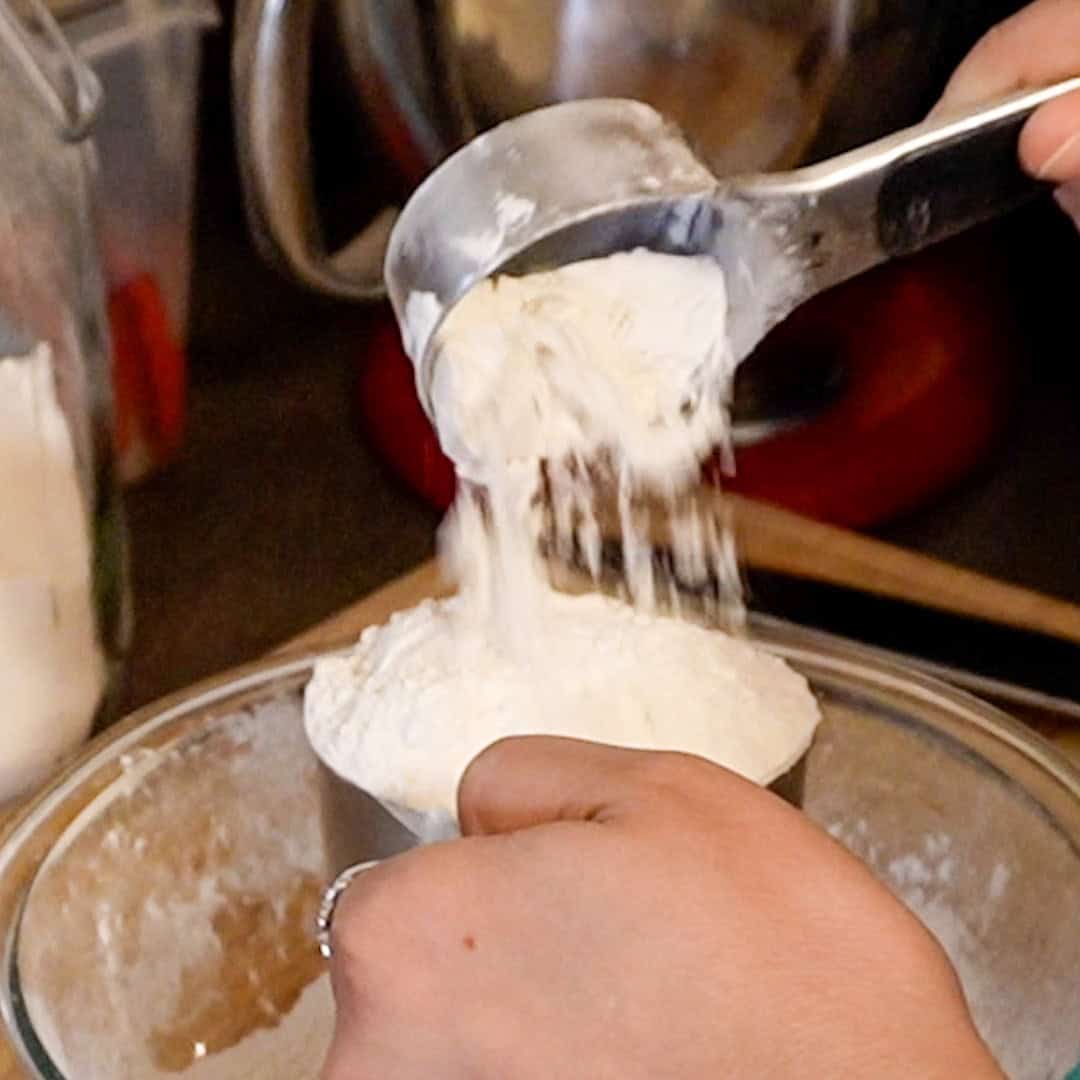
column 614, row 913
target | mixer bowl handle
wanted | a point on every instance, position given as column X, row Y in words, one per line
column 271, row 85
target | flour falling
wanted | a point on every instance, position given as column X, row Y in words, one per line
column 610, row 376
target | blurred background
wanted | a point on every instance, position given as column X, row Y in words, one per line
column 210, row 442
column 933, row 405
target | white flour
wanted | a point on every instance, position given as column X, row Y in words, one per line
column 610, row 374
column 627, row 354
column 51, row 667
column 398, row 716
column 617, row 369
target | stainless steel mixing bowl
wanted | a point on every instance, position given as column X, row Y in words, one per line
column 157, row 901
column 757, row 84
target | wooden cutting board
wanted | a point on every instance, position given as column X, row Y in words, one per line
column 775, row 540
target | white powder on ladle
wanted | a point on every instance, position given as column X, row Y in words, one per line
column 618, row 368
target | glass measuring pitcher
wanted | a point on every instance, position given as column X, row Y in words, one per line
column 63, row 614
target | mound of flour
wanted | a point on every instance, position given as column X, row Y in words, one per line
column 404, row 714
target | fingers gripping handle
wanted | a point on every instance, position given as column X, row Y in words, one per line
column 954, row 182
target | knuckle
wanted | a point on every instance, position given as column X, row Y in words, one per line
column 489, row 762
column 674, row 774
column 481, row 779
column 993, row 39
column 985, row 55
column 364, row 916
column 392, row 950
column 374, row 926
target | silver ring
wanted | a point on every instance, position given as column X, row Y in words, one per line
column 332, row 894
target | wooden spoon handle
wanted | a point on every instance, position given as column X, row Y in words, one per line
column 774, row 539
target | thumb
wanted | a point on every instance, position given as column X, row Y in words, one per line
column 518, row 783
column 1050, row 143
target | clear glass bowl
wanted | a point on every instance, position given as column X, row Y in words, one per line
column 157, row 901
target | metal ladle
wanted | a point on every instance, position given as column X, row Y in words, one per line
column 590, row 178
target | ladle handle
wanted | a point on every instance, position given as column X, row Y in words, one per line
column 902, row 193
column 963, row 179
